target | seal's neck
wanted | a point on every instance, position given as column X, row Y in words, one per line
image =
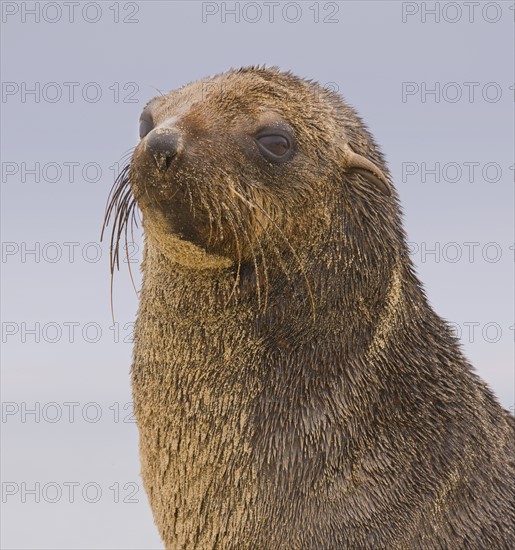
column 324, row 298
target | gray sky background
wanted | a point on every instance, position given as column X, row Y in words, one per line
column 367, row 54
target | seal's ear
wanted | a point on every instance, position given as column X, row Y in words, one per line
column 367, row 169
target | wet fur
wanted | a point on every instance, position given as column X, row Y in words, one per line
column 297, row 391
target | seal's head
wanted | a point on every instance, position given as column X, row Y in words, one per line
column 249, row 160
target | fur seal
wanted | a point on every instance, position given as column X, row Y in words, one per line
column 293, row 388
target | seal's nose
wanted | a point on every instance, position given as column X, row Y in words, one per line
column 163, row 144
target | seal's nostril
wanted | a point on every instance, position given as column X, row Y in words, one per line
column 163, row 145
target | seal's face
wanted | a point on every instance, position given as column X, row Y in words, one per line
column 225, row 165
column 219, row 165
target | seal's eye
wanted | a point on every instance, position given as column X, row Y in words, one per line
column 145, row 125
column 274, row 147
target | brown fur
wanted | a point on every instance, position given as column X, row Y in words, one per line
column 293, row 388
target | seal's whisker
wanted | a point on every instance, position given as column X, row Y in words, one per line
column 117, row 190
column 239, row 220
column 218, row 207
column 192, row 204
column 120, row 211
column 119, row 194
column 118, row 187
column 210, row 217
column 130, row 211
column 134, row 221
column 274, row 248
column 292, row 249
column 126, row 157
column 122, row 217
column 265, row 268
column 238, row 249
column 209, row 211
